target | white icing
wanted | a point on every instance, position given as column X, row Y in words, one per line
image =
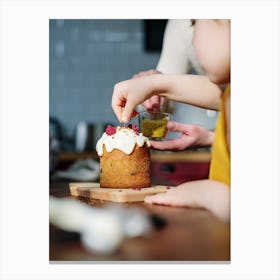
column 124, row 140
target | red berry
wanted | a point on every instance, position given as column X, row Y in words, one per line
column 135, row 129
column 110, row 130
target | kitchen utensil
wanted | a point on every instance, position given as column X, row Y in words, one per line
column 87, row 135
column 102, row 229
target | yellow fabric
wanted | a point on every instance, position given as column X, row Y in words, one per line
column 220, row 161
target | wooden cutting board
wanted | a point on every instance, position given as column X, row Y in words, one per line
column 93, row 190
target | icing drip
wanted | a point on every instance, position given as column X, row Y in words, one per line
column 124, row 139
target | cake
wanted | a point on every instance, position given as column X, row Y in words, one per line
column 124, row 158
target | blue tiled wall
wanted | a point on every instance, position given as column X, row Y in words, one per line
column 87, row 57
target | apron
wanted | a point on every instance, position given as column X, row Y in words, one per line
column 220, row 161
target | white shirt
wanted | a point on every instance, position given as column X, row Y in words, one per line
column 178, row 55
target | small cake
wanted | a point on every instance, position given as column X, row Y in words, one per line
column 124, row 158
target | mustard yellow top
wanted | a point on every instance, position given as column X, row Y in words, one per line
column 220, row 161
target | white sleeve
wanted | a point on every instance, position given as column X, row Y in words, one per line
column 176, row 47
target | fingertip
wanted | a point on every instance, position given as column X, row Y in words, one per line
column 153, row 199
column 128, row 113
column 124, row 119
column 118, row 113
column 154, row 144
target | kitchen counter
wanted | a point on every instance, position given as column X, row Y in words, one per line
column 168, row 168
column 189, row 235
column 156, row 156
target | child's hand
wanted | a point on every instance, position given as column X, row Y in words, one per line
column 208, row 194
column 192, row 136
column 128, row 94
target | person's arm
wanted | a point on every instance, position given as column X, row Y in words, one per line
column 195, row 90
column 208, row 194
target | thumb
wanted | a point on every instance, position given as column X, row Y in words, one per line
column 177, row 127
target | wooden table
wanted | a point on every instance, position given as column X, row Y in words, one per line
column 189, row 235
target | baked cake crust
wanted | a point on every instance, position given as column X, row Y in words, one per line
column 124, row 158
column 120, row 170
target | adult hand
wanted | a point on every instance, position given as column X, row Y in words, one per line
column 154, row 104
column 192, row 136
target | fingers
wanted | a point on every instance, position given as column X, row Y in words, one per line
column 118, row 104
column 153, row 103
column 161, row 198
column 180, row 143
column 123, row 105
column 128, row 113
column 173, row 197
column 189, row 194
column 192, row 136
column 128, row 94
column 187, row 139
column 175, row 144
column 178, row 127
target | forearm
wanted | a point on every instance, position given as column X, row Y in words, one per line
column 195, row 90
column 214, row 196
column 191, row 89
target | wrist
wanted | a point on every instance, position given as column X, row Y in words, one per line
column 159, row 84
column 205, row 137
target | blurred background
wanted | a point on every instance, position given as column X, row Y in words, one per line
column 86, row 59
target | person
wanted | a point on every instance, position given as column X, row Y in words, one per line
column 212, row 45
column 177, row 57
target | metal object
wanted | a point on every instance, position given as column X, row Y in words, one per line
column 87, row 135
